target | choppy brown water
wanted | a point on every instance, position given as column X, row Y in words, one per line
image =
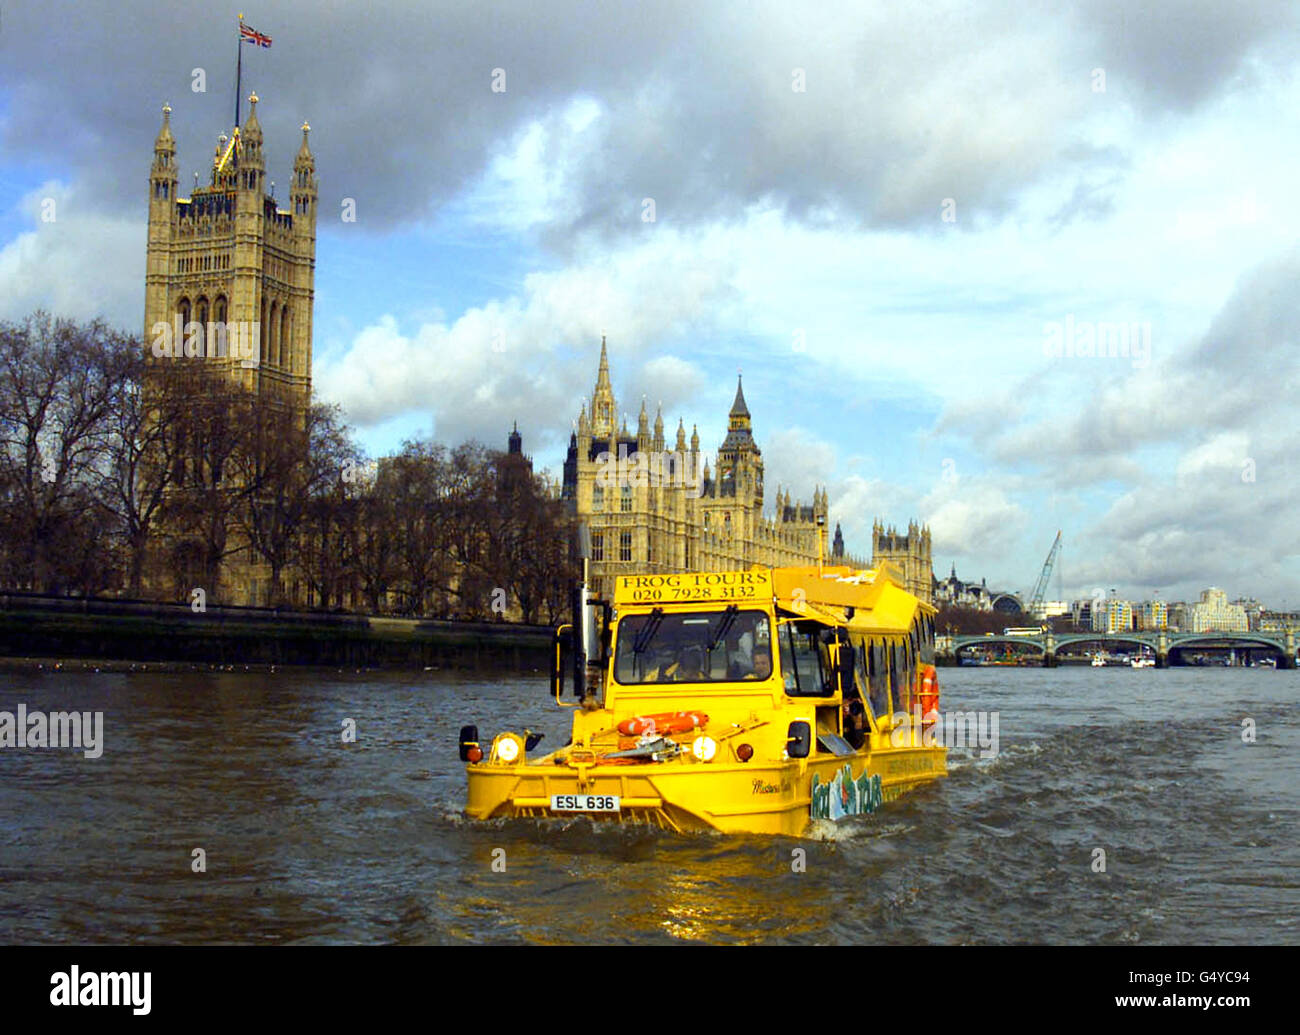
column 309, row 840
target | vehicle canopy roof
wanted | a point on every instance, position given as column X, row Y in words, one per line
column 870, row 601
column 879, row 605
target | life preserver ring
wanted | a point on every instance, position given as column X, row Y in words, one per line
column 927, row 697
column 663, row 722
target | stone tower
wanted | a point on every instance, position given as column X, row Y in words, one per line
column 909, row 553
column 229, row 256
column 740, row 463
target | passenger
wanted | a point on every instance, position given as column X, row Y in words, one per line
column 689, row 667
column 740, row 656
column 762, row 663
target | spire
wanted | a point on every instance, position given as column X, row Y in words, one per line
column 304, row 189
column 304, row 152
column 247, row 148
column 165, row 141
column 681, row 436
column 738, row 408
column 251, row 125
column 163, row 173
column 602, row 375
column 602, row 399
column 739, row 442
column 695, row 438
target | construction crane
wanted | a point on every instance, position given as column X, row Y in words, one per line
column 1040, row 587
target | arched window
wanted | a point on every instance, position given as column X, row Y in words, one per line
column 274, row 331
column 264, row 329
column 201, row 314
column 285, row 340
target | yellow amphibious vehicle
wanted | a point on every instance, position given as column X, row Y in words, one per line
column 740, row 701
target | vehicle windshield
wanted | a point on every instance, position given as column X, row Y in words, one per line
column 699, row 647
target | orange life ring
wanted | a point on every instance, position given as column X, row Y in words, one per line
column 663, row 722
column 928, row 696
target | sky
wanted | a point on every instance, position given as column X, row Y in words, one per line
column 1003, row 268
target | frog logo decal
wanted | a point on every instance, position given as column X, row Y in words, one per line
column 845, row 796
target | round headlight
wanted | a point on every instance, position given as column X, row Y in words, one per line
column 507, row 749
column 704, row 748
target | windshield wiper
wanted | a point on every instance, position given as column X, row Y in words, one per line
column 728, row 617
column 648, row 631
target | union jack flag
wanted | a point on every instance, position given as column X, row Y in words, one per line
column 247, row 35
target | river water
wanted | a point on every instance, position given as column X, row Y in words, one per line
column 307, row 839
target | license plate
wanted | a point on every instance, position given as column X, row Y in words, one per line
column 584, row 803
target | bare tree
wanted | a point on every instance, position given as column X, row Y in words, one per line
column 55, row 398
column 206, row 440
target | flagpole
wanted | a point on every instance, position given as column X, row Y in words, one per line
column 239, row 66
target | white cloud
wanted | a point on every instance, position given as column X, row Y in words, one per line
column 75, row 262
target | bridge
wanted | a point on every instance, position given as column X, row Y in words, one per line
column 1167, row 646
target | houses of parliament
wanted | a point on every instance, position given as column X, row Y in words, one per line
column 228, row 254
column 667, row 524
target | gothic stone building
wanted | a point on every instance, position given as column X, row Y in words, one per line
column 673, row 522
column 229, row 255
column 687, row 514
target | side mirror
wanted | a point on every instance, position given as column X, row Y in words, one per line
column 799, row 739
column 468, row 739
column 531, row 740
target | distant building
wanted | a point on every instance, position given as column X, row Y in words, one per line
column 1153, row 615
column 1254, row 611
column 1112, row 616
column 1081, row 613
column 1178, row 618
column 1279, row 621
column 1213, row 613
column 953, row 592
